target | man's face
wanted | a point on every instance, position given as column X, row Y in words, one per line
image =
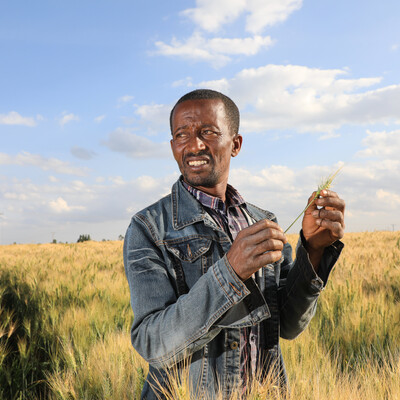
column 203, row 143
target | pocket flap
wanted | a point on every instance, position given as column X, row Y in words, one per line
column 188, row 248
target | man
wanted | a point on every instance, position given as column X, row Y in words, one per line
column 211, row 277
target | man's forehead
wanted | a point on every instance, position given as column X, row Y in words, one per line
column 199, row 106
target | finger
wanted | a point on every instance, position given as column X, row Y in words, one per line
column 269, row 258
column 332, row 215
column 336, row 228
column 263, row 224
column 262, row 230
column 266, row 235
column 311, row 203
column 268, row 245
column 311, row 198
column 331, row 202
column 328, row 193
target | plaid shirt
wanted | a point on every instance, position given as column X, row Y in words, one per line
column 229, row 216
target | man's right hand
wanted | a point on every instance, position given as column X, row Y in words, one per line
column 258, row 245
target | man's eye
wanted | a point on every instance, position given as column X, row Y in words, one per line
column 209, row 133
column 180, row 135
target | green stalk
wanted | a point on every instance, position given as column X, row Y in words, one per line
column 326, row 184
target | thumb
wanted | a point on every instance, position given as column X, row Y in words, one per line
column 311, row 206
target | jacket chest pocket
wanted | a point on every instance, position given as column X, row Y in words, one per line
column 191, row 257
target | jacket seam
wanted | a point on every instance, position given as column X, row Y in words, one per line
column 147, row 224
column 222, row 287
column 191, row 339
column 233, row 273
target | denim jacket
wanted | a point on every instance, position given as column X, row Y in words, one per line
column 189, row 304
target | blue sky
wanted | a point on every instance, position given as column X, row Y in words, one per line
column 86, row 89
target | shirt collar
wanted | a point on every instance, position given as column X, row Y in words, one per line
column 233, row 198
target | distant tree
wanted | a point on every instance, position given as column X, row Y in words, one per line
column 83, row 238
column 54, row 241
column 120, row 237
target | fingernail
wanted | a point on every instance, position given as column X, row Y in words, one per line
column 323, row 192
column 315, row 213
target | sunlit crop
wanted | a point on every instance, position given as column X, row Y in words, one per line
column 65, row 320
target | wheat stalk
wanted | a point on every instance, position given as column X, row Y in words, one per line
column 326, row 184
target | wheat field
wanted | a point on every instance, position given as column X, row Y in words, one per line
column 65, row 320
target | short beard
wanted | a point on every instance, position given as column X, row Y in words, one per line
column 205, row 181
column 208, row 181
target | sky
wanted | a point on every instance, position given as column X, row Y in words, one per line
column 86, row 88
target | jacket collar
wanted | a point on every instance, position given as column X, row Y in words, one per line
column 186, row 210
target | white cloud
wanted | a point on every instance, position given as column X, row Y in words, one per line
column 275, row 177
column 81, row 153
column 307, row 99
column 268, row 13
column 295, row 98
column 153, row 111
column 182, row 82
column 124, row 100
column 33, row 211
column 371, row 190
column 66, row 118
column 15, row 196
column 389, row 198
column 47, row 164
column 135, row 146
column 14, row 118
column 61, row 206
column 154, row 118
column 118, row 180
column 216, row 51
column 99, row 118
column 147, row 183
column 211, row 15
column 381, row 144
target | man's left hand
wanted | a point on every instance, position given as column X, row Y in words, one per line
column 323, row 223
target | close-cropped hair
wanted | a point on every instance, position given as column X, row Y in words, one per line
column 231, row 109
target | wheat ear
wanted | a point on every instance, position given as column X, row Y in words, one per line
column 326, row 184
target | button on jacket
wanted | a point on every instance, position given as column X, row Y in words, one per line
column 189, row 304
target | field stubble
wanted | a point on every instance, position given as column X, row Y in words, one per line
column 65, row 320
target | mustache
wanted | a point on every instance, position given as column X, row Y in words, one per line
column 199, row 154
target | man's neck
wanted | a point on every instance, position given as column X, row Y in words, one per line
column 216, row 191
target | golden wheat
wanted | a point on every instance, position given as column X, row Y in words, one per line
column 350, row 350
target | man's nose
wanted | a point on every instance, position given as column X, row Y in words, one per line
column 196, row 144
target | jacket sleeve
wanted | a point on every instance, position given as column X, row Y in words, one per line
column 300, row 286
column 168, row 328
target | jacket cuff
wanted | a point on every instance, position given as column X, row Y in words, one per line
column 328, row 260
column 230, row 283
column 249, row 306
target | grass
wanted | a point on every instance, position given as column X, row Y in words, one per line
column 65, row 320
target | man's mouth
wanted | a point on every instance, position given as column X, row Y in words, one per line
column 197, row 163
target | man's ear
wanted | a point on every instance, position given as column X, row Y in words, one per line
column 236, row 145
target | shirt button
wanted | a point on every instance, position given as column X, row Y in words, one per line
column 234, row 345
